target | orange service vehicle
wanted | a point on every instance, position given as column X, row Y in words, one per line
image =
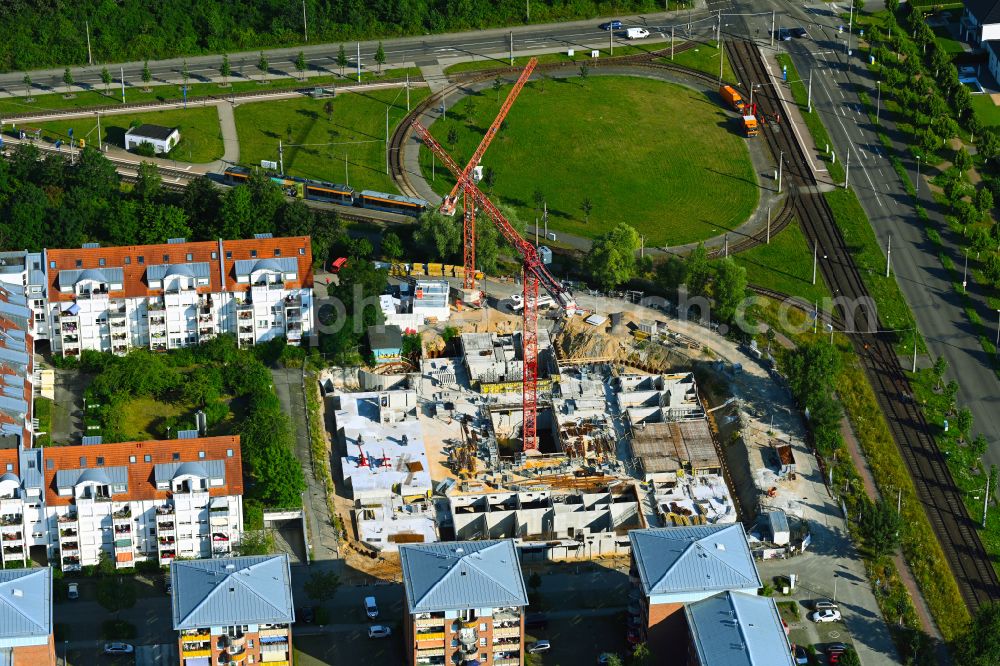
column 733, row 98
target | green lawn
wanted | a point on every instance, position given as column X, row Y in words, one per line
column 784, row 265
column 174, row 93
column 579, row 56
column 946, row 42
column 660, row 157
column 704, row 58
column 986, row 110
column 201, row 138
column 317, row 146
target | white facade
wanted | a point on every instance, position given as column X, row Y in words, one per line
column 162, row 141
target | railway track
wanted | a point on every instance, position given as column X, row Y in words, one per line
column 938, row 494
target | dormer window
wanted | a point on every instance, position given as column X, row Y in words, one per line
column 102, row 261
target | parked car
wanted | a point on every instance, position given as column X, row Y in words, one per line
column 379, row 631
column 827, row 615
column 784, row 35
column 825, row 604
column 118, row 648
column 834, row 652
column 73, row 591
column 611, row 25
column 306, row 615
column 538, row 646
column 799, row 32
column 371, row 608
column 801, row 656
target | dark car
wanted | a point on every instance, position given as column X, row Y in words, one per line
column 307, row 615
column 611, row 25
column 799, row 32
column 536, row 621
column 784, row 35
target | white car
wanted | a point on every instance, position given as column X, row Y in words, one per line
column 73, row 591
column 118, row 648
column 379, row 631
column 636, row 33
column 826, row 615
column 538, row 646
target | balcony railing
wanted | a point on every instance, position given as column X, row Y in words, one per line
column 124, row 512
column 11, row 519
column 68, row 518
column 165, row 509
column 67, row 533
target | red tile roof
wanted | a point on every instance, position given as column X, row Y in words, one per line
column 141, row 484
column 135, row 285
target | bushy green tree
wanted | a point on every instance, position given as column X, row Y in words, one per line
column 880, row 525
column 979, row 645
column 611, row 258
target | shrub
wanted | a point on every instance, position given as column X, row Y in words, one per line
column 115, row 630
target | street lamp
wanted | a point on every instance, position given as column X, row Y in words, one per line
column 918, row 175
column 878, row 102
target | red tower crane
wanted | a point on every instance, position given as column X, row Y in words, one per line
column 468, row 205
column 534, row 274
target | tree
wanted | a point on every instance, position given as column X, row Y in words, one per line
column 322, row 585
column 300, row 64
column 452, row 137
column 106, row 79
column 262, row 65
column 963, row 421
column 392, row 246
column 614, row 660
column 984, row 200
column 67, row 79
column 115, row 593
column 539, row 200
column 497, row 86
column 880, row 528
column 380, row 57
column 586, row 206
column 584, row 71
column 979, row 644
column 962, row 160
column 728, row 288
column 341, row 59
column 940, row 367
column 641, row 656
column 328, row 110
column 225, row 69
column 849, row 657
column 978, row 446
column 697, row 271
column 611, row 259
column 438, row 236
column 27, row 86
column 892, row 6
column 147, row 75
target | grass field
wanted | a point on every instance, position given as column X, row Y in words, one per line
column 704, row 58
column 315, row 146
column 987, row 112
column 135, row 93
column 579, row 56
column 948, row 43
column 658, row 156
column 784, row 265
column 201, row 138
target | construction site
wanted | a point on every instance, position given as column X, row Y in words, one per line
column 562, row 431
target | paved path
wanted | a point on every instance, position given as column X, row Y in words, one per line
column 230, row 139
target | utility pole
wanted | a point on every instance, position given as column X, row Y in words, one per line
column 718, row 30
column 878, row 102
column 918, row 175
column 914, row 369
column 725, row 251
column 545, row 217
column 387, row 140
column 359, row 62
column 847, row 169
column 511, row 48
column 99, row 131
column 781, row 161
column 772, row 27
column 527, row 10
column 305, row 25
column 768, row 226
column 407, row 92
column 123, row 85
column 986, row 498
column 722, row 57
column 642, row 247
column 671, row 42
column 965, row 269
column 611, row 41
column 90, row 56
column 850, row 27
column 888, row 256
column 536, row 231
column 347, row 176
column 281, row 158
column 809, row 94
column 814, row 262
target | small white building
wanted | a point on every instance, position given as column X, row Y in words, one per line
column 162, row 139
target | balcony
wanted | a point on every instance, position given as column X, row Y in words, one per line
column 166, row 541
column 68, row 518
column 67, row 533
column 219, row 536
column 166, row 557
column 196, row 652
column 165, row 510
column 429, row 623
column 13, row 536
column 88, row 294
column 154, row 304
column 158, row 346
column 274, row 632
column 422, row 637
column 123, row 513
column 157, row 320
column 11, row 519
column 123, row 544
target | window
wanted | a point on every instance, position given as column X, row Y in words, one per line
column 166, row 258
column 147, row 458
column 52, row 264
column 119, row 488
column 128, row 261
column 141, row 260
column 131, row 459
column 83, row 461
column 102, row 261
column 49, row 464
column 229, row 254
column 201, row 454
column 215, row 255
column 253, row 254
column 100, row 461
column 277, row 251
column 10, row 467
column 189, row 256
column 79, row 263
column 302, row 251
column 152, row 531
column 229, row 453
column 177, row 456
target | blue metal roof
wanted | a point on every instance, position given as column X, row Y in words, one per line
column 200, row 269
column 67, row 478
column 205, row 469
column 229, row 591
column 462, row 574
column 25, row 603
column 738, row 629
column 276, row 264
column 693, row 559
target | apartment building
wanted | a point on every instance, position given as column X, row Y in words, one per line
column 676, row 566
column 233, row 611
column 465, row 603
column 17, row 372
column 736, row 629
column 164, row 296
column 143, row 500
column 26, row 617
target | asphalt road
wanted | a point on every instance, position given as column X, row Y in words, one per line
column 421, row 50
